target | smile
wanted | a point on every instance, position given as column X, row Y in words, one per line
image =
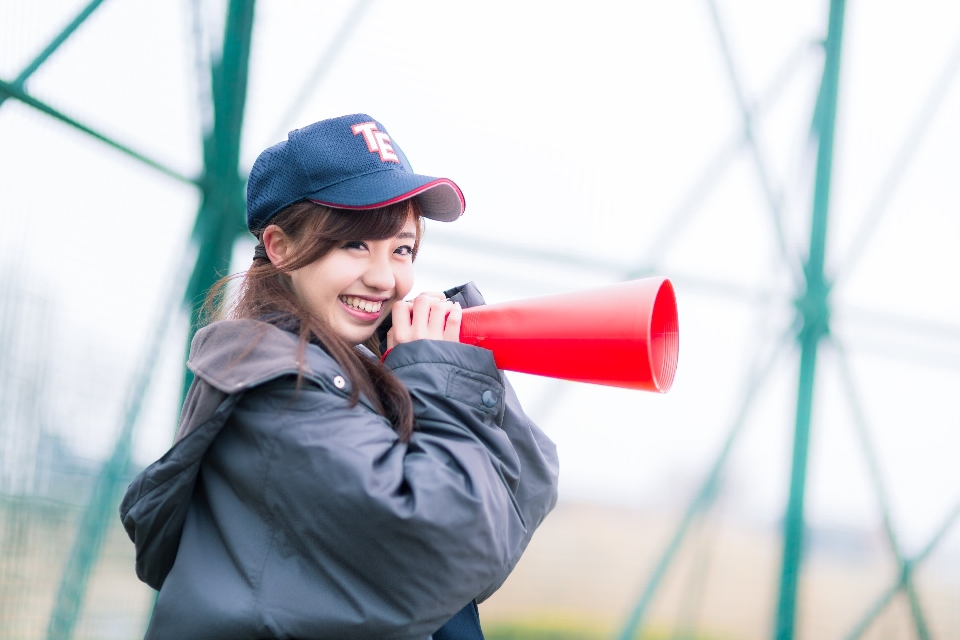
column 359, row 304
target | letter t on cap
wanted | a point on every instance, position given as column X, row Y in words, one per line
column 367, row 129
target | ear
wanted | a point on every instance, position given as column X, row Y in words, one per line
column 277, row 244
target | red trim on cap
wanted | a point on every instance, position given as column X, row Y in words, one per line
column 400, row 198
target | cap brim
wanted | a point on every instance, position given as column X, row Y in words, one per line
column 439, row 198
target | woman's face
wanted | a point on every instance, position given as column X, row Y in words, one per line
column 353, row 287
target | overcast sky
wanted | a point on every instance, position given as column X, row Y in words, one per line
column 575, row 130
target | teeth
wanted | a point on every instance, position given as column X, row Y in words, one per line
column 360, row 304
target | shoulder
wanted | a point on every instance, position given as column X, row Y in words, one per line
column 235, row 355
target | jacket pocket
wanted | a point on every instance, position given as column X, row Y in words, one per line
column 476, row 390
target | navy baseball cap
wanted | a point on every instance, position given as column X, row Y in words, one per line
column 349, row 162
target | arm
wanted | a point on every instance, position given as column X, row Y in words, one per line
column 534, row 487
column 536, row 492
column 407, row 533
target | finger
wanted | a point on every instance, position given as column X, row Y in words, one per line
column 434, row 294
column 451, row 331
column 401, row 316
column 421, row 315
column 391, row 341
column 438, row 317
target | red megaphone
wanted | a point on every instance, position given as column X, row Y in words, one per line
column 624, row 335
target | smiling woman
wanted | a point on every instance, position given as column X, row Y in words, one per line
column 318, row 272
column 315, row 489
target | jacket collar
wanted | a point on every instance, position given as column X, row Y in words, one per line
column 235, row 355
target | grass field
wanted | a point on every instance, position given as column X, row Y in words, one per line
column 588, row 563
column 577, row 581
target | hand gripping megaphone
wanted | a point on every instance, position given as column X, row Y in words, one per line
column 623, row 335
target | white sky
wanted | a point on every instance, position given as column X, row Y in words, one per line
column 573, row 129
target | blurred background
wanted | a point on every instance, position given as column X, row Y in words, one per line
column 794, row 167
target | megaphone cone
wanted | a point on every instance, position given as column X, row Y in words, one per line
column 624, row 335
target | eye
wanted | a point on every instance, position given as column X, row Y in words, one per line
column 404, row 250
column 355, row 244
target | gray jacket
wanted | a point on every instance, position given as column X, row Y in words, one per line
column 285, row 513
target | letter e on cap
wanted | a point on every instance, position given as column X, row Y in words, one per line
column 386, row 151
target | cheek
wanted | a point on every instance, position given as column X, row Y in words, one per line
column 299, row 283
column 296, row 283
column 311, row 284
column 403, row 276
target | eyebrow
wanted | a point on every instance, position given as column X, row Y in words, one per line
column 405, row 234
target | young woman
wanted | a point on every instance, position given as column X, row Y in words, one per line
column 315, row 491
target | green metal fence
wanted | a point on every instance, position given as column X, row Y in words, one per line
column 59, row 523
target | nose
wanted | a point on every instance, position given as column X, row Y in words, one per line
column 379, row 274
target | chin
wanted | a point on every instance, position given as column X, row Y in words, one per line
column 356, row 337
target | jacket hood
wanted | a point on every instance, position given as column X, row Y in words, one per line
column 228, row 358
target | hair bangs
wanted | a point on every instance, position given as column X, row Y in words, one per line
column 372, row 224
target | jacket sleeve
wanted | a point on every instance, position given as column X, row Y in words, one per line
column 406, row 533
column 536, row 493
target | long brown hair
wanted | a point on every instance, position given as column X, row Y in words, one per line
column 264, row 293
